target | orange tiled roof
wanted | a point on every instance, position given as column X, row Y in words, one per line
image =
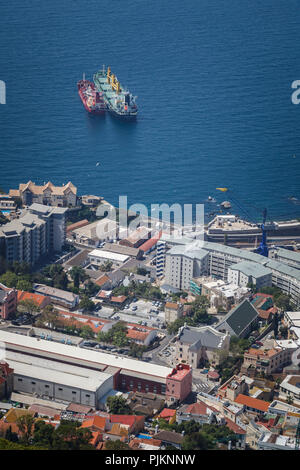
column 251, row 402
column 263, row 352
column 102, row 280
column 37, row 298
column 79, row 224
column 119, row 298
column 96, row 421
column 167, row 413
column 172, row 305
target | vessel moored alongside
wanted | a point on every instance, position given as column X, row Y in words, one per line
column 120, row 102
column 91, row 98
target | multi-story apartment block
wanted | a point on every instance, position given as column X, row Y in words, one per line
column 290, row 257
column 40, row 231
column 266, row 360
column 247, row 272
column 48, row 194
column 195, row 259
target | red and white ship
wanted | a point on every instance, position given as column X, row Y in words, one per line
column 91, row 98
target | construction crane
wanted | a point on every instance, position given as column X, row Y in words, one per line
column 263, row 247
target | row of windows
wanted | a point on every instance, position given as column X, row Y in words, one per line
column 59, row 388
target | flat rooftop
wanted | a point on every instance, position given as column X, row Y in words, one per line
column 57, row 349
column 109, row 255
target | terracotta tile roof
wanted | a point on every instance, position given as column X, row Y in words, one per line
column 69, row 318
column 14, row 413
column 102, row 280
column 199, row 408
column 167, row 413
column 150, row 243
column 264, row 314
column 119, row 299
column 262, row 352
column 138, row 335
column 234, row 427
column 79, row 224
column 39, row 299
column 172, row 305
column 57, row 190
column 96, row 437
column 255, row 403
column 119, row 429
column 96, row 422
column 136, row 442
column 129, row 420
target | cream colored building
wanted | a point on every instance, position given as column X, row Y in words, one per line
column 205, row 343
column 173, row 311
column 47, row 194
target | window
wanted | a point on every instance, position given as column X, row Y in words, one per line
column 88, row 396
column 46, row 386
column 33, row 383
column 20, row 380
column 60, row 389
column 74, row 393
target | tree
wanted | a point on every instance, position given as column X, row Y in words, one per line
column 60, row 281
column 9, row 279
column 275, row 325
column 116, row 445
column 86, row 304
column 86, row 332
column 117, row 405
column 283, row 302
column 106, row 267
column 196, row 441
column 68, row 436
column 25, row 425
column 24, row 285
column 78, row 275
column 28, row 306
column 136, row 350
column 11, row 436
column 91, row 288
column 49, row 317
column 43, row 434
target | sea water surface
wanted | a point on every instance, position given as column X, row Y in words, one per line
column 213, row 80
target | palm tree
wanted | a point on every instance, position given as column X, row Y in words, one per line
column 78, row 275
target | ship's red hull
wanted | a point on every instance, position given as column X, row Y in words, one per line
column 91, row 99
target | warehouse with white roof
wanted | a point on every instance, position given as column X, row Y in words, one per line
column 57, row 362
column 98, row 257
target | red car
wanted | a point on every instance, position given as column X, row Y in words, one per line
column 259, row 343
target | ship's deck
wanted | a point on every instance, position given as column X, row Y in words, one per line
column 106, row 88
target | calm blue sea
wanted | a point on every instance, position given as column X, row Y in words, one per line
column 213, row 80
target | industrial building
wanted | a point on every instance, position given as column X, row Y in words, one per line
column 58, row 381
column 98, row 257
column 128, row 374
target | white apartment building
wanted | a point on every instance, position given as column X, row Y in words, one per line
column 195, row 259
column 290, row 257
column 247, row 272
